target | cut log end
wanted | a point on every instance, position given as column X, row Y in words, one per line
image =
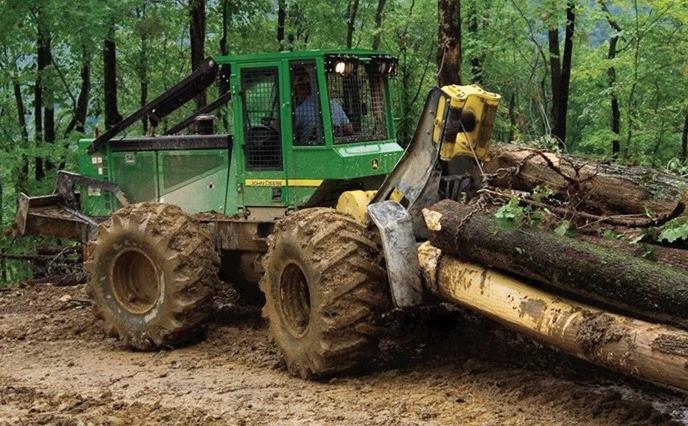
column 432, row 220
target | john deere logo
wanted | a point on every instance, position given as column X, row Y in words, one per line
column 375, row 164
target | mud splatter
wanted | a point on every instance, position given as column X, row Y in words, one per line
column 671, row 345
column 598, row 329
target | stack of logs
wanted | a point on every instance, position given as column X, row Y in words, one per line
column 545, row 284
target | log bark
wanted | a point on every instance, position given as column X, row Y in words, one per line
column 649, row 351
column 603, row 188
column 633, row 285
column 667, row 256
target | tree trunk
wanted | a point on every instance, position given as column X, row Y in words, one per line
column 82, row 100
column 449, row 42
column 351, row 11
column 646, row 350
column 512, row 117
column 611, row 78
column 21, row 111
column 377, row 34
column 476, row 59
column 42, row 61
column 602, row 188
column 684, row 138
column 112, row 115
column 21, row 118
column 562, row 110
column 143, row 66
column 595, row 273
column 554, row 72
column 281, row 18
column 197, row 36
column 78, row 122
column 223, row 81
column 224, row 41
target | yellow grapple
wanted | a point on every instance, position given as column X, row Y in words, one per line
column 469, row 127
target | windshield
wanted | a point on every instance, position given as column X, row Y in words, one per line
column 357, row 106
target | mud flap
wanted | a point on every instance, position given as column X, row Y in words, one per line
column 395, row 226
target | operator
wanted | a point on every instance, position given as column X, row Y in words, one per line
column 306, row 116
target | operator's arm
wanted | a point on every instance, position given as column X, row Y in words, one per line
column 340, row 122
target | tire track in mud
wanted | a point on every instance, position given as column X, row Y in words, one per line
column 439, row 366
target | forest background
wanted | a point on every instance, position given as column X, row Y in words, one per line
column 605, row 78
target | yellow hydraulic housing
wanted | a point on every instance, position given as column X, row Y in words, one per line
column 468, row 130
column 355, row 204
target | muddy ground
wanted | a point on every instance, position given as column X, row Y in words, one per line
column 439, row 366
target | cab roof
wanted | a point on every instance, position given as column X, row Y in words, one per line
column 299, row 55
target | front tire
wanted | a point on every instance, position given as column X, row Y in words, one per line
column 325, row 291
column 152, row 271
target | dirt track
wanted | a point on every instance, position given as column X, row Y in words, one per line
column 440, row 367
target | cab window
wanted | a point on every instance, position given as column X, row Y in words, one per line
column 357, row 105
column 260, row 96
column 306, row 113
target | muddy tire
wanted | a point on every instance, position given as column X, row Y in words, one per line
column 152, row 271
column 325, row 290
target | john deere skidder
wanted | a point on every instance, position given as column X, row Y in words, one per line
column 163, row 216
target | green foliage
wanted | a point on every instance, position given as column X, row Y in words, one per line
column 564, row 228
column 609, row 234
column 541, row 193
column 677, row 167
column 511, row 214
column 675, row 230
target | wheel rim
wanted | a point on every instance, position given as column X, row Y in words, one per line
column 135, row 281
column 295, row 300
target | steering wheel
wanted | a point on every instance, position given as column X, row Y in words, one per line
column 263, row 147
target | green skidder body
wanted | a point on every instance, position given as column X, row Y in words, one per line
column 165, row 215
column 303, row 131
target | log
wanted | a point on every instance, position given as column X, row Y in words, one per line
column 652, row 352
column 603, row 187
column 596, row 273
column 668, row 256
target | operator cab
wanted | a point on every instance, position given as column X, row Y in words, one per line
column 297, row 129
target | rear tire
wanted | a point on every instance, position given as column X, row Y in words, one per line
column 325, row 291
column 153, row 271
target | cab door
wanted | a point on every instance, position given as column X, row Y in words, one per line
column 261, row 130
